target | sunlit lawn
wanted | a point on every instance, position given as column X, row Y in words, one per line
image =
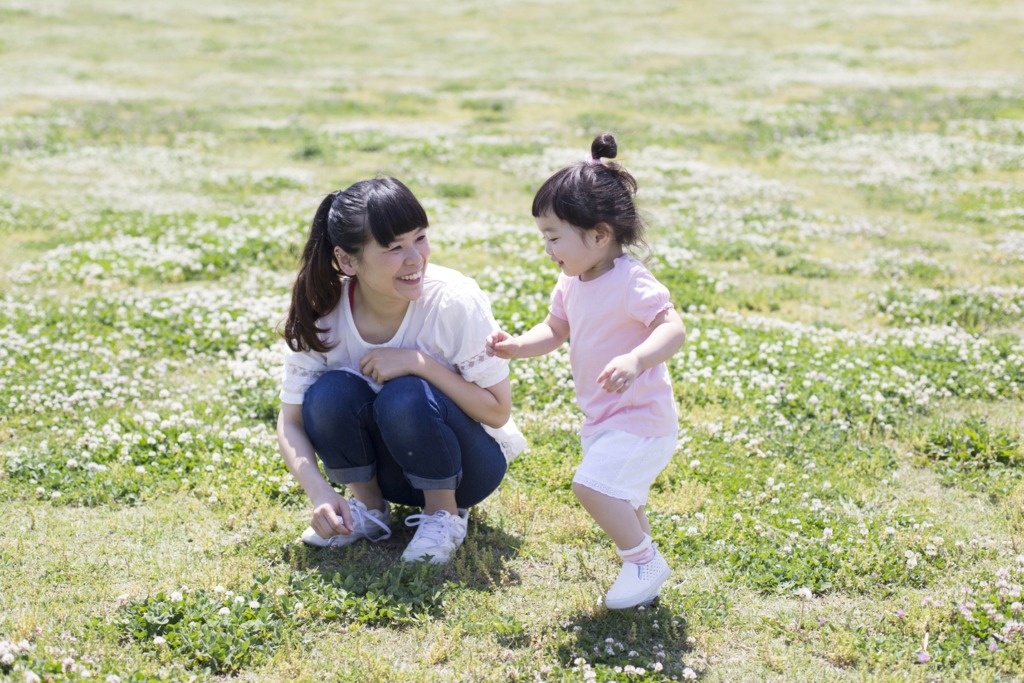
column 835, row 195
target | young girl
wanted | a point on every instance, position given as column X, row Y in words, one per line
column 622, row 328
column 387, row 378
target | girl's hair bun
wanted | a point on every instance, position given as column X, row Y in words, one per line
column 604, row 147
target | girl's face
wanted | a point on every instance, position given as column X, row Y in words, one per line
column 393, row 272
column 582, row 253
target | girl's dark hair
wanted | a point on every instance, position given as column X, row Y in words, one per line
column 378, row 209
column 591, row 192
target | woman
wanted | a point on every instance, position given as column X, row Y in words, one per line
column 387, row 379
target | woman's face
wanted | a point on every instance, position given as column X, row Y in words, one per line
column 394, row 271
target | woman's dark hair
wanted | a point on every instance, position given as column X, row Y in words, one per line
column 590, row 192
column 378, row 209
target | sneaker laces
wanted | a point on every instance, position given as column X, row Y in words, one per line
column 360, row 516
column 433, row 529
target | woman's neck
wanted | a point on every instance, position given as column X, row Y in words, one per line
column 377, row 318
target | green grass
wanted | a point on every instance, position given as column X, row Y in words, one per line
column 834, row 200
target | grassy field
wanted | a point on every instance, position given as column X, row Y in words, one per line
column 836, row 200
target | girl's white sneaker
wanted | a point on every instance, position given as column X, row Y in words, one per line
column 437, row 537
column 373, row 525
column 637, row 584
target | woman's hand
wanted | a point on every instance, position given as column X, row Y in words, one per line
column 382, row 365
column 620, row 373
column 500, row 344
column 331, row 516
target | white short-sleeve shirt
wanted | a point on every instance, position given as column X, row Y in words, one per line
column 450, row 322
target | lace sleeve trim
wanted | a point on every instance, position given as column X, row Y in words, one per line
column 473, row 362
column 299, row 371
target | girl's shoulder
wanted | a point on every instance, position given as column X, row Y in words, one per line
column 630, row 269
column 637, row 276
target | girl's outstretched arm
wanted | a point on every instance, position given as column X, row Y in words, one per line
column 542, row 338
column 667, row 335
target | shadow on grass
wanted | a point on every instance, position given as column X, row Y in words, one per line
column 641, row 637
column 369, row 582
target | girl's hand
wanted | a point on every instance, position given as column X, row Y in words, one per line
column 620, row 373
column 501, row 345
column 331, row 516
column 382, row 365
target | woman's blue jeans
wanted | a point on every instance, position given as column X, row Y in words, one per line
column 410, row 436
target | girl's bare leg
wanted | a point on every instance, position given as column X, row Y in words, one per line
column 615, row 516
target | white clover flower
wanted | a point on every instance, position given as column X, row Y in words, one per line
column 224, row 611
column 176, row 596
column 159, row 640
column 254, row 604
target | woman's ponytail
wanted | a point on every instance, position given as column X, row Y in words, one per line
column 317, row 287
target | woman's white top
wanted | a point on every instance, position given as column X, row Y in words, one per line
column 450, row 322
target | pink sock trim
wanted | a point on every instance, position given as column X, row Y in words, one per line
column 642, row 554
column 642, row 557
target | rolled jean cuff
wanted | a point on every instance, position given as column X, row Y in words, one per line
column 351, row 475
column 434, row 484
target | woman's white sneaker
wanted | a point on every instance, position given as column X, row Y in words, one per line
column 637, row 584
column 437, row 537
column 372, row 525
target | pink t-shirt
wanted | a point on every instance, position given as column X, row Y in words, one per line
column 608, row 317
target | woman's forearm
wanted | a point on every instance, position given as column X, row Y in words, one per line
column 297, row 452
column 491, row 406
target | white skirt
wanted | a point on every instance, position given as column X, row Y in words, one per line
column 623, row 465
